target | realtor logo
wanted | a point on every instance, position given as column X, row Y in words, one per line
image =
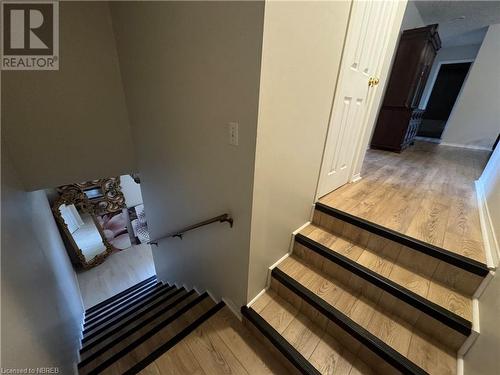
column 30, row 35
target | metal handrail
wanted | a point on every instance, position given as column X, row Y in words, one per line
column 224, row 218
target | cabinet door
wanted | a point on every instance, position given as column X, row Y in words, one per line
column 425, row 64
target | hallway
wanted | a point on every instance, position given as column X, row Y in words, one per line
column 427, row 192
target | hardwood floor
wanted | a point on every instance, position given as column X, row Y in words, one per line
column 119, row 271
column 221, row 345
column 426, row 192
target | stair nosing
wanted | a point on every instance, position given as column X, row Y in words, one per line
column 441, row 314
column 362, row 335
column 124, row 305
column 119, row 302
column 122, row 325
column 118, row 295
column 174, row 340
column 137, row 305
column 117, row 356
column 279, row 342
column 141, row 325
column 460, row 261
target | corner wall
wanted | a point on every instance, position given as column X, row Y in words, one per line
column 474, row 119
column 303, row 43
column 193, row 68
column 42, row 310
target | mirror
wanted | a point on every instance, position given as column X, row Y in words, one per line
column 75, row 215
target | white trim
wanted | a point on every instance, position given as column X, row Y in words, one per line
column 460, row 365
column 275, row 264
column 491, row 246
column 436, row 73
column 260, row 294
column 428, row 139
column 356, row 177
column 481, row 288
column 471, row 147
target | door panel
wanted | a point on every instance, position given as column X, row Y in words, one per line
column 366, row 39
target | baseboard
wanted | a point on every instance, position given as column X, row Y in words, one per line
column 470, row 147
column 491, row 246
column 460, row 365
column 428, row 139
column 356, row 177
column 249, row 304
column 268, row 278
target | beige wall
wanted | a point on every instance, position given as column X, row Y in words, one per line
column 70, row 125
column 474, row 121
column 188, row 69
column 482, row 359
column 300, row 60
column 41, row 308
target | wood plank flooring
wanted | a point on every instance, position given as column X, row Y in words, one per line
column 221, row 345
column 426, row 192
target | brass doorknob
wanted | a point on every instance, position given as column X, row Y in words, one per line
column 373, row 81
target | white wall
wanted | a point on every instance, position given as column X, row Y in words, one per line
column 474, row 121
column 450, row 54
column 70, row 125
column 301, row 54
column 482, row 359
column 188, row 69
column 41, row 309
column 131, row 190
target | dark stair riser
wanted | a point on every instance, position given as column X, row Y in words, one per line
column 282, row 345
column 135, row 318
column 173, row 341
column 117, row 356
column 118, row 315
column 116, row 296
column 433, row 310
column 370, row 341
column 447, row 256
column 119, row 302
column 142, row 324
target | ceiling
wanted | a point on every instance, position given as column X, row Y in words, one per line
column 453, row 32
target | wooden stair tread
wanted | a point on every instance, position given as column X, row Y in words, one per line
column 320, row 348
column 168, row 332
column 90, row 361
column 387, row 261
column 399, row 334
column 220, row 345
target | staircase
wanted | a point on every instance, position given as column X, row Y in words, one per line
column 358, row 298
column 153, row 328
column 129, row 331
column 352, row 298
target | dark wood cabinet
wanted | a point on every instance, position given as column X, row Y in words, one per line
column 399, row 117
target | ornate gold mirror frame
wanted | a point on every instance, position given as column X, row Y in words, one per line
column 81, row 201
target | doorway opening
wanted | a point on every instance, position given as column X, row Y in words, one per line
column 104, row 228
column 445, row 91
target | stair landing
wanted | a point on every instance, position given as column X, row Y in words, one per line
column 427, row 192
